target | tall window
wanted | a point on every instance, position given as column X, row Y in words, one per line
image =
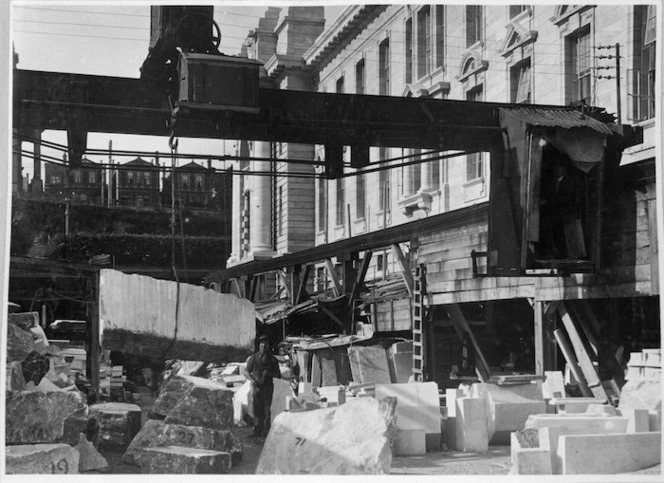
column 147, row 179
column 384, row 181
column 424, row 42
column 520, row 82
column 580, row 65
column 641, row 79
column 340, row 85
column 440, row 35
column 77, row 176
column 322, row 204
column 474, row 24
column 360, row 194
column 409, row 50
column 516, row 10
column 360, row 81
column 434, row 174
column 341, row 202
column 92, row 178
column 280, row 211
column 474, row 161
column 185, row 181
column 199, row 181
column 414, row 183
column 130, row 177
column 384, row 67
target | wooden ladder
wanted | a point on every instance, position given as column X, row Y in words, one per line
column 419, row 291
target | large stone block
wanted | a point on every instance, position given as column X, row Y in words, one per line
column 19, row 343
column 89, row 457
column 112, row 426
column 531, row 461
column 157, row 433
column 15, row 379
column 410, row 442
column 400, row 360
column 282, row 391
column 174, row 389
column 177, row 460
column 609, row 453
column 580, row 424
column 45, row 417
column 207, row 403
column 369, row 364
column 354, row 438
column 639, row 420
column 548, row 440
column 41, row 459
column 471, row 427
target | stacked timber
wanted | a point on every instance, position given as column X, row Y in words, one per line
column 194, row 433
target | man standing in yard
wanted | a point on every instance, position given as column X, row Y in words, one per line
column 261, row 368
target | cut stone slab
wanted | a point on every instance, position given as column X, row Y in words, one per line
column 449, row 433
column 548, row 440
column 400, row 360
column 641, row 395
column 554, row 385
column 174, row 389
column 354, row 438
column 609, row 453
column 215, row 327
column 157, row 433
column 328, row 368
column 335, row 395
column 89, row 457
column 45, row 417
column 471, row 427
column 180, row 460
column 369, row 364
column 418, row 407
column 639, row 420
column 41, row 459
column 580, row 424
column 531, row 461
column 112, row 426
column 15, row 379
column 19, row 343
column 450, row 401
column 410, row 442
column 601, row 410
column 206, row 403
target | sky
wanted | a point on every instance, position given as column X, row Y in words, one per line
column 111, row 39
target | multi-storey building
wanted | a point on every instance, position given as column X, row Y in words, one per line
column 79, row 184
column 512, row 54
column 138, row 183
column 195, row 185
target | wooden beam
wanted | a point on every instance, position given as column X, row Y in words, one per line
column 538, row 312
column 238, row 287
column 254, row 287
column 333, row 275
column 332, row 316
column 579, row 313
column 572, row 362
column 359, row 280
column 406, row 273
column 585, row 363
column 302, row 289
column 95, row 337
column 480, row 362
column 284, row 283
column 550, row 308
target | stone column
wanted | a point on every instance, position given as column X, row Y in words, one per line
column 236, row 233
column 261, row 205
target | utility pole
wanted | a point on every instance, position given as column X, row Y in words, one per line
column 616, row 56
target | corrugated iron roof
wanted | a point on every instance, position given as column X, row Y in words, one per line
column 564, row 118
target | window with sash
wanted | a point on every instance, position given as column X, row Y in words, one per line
column 424, row 42
column 516, row 10
column 341, row 202
column 474, row 161
column 360, row 81
column 520, row 76
column 474, row 24
column 384, row 67
column 322, row 204
column 360, row 195
column 641, row 79
column 580, row 63
column 440, row 35
column 409, row 51
column 384, row 182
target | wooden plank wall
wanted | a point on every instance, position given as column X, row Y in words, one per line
column 395, row 314
column 627, row 258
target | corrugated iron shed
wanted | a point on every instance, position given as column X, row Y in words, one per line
column 565, row 119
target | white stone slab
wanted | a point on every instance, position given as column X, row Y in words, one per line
column 531, row 461
column 410, row 442
column 471, row 428
column 580, row 424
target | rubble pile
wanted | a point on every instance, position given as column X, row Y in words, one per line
column 46, row 414
column 191, row 427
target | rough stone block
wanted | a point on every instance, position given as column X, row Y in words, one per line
column 171, row 393
column 25, row 320
column 580, row 424
column 207, row 403
column 410, row 442
column 609, row 453
column 41, row 459
column 45, row 417
column 180, row 460
column 15, row 379
column 157, row 433
column 354, row 438
column 655, row 420
column 641, row 395
column 19, row 343
column 531, row 461
column 89, row 458
column 113, row 425
column 471, row 428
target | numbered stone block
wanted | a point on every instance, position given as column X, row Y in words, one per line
column 41, row 459
column 157, row 433
column 113, row 426
column 177, row 460
column 354, row 438
column 45, row 417
column 207, row 403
